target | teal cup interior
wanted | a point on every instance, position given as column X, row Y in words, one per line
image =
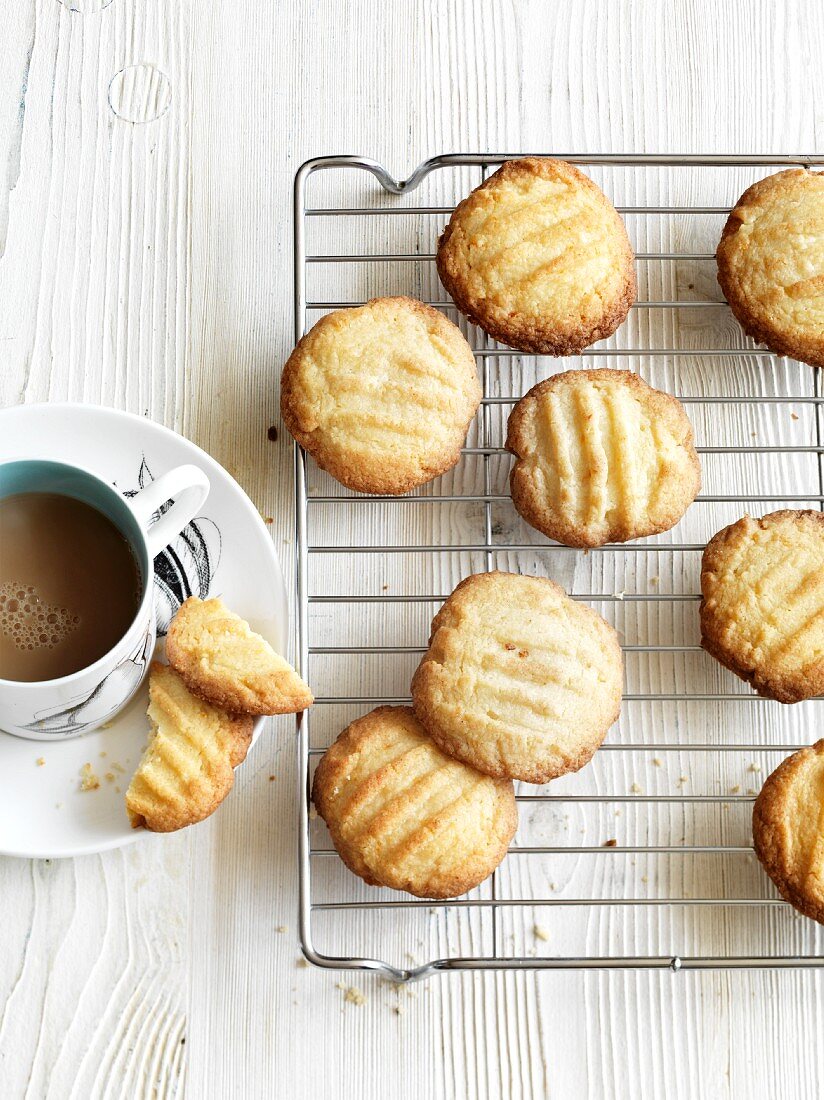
column 45, row 476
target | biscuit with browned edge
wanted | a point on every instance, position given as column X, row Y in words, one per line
column 404, row 815
column 771, row 263
column 382, row 395
column 519, row 680
column 762, row 612
column 601, row 457
column 788, row 829
column 224, row 661
column 539, row 258
column 188, row 766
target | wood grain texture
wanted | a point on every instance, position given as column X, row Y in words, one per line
column 148, row 267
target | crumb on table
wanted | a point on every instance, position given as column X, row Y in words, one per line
column 351, row 994
column 540, row 933
column 41, row 760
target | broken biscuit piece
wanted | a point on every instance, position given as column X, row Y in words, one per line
column 222, row 660
column 187, row 768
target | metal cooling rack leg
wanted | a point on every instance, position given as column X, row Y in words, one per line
column 818, row 391
column 488, row 556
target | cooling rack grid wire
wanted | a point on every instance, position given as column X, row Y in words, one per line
column 644, row 858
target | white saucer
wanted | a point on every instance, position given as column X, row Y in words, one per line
column 226, row 551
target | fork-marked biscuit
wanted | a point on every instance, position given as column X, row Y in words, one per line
column 771, row 263
column 788, row 829
column 519, row 680
column 222, row 660
column 382, row 395
column 402, row 814
column 539, row 258
column 187, row 767
column 601, row 457
column 762, row 612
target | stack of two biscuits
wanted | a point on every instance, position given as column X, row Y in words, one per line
column 519, row 682
column 202, row 706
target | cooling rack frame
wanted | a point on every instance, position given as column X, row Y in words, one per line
column 488, row 548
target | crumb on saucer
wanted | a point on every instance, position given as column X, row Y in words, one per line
column 88, row 780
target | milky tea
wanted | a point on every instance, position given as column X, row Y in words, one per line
column 69, row 586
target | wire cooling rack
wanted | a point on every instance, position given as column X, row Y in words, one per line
column 644, row 858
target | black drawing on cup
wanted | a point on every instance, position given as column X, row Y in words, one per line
column 102, row 702
column 186, row 567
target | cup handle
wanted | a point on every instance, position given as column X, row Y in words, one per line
column 189, row 487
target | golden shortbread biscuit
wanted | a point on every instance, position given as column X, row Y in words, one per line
column 771, row 263
column 762, row 612
column 187, row 768
column 602, row 457
column 788, row 829
column 382, row 395
column 519, row 680
column 402, row 814
column 222, row 660
column 539, row 258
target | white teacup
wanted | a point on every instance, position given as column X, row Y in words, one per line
column 54, row 710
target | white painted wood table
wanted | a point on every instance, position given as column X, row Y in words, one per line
column 145, row 264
